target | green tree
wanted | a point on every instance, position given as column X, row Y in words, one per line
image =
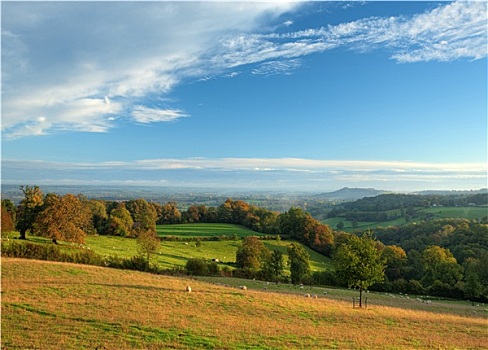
column 29, row 209
column 99, row 215
column 359, row 263
column 439, row 264
column 148, row 244
column 299, row 262
column 143, row 214
column 250, row 254
column 120, row 222
column 273, row 266
column 63, row 218
column 395, row 259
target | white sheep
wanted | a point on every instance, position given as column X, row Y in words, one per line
column 243, row 287
column 188, row 289
column 306, row 295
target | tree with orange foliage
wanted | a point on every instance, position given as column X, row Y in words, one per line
column 63, row 218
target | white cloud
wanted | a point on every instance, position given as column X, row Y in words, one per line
column 266, row 173
column 146, row 115
column 118, row 52
column 122, row 51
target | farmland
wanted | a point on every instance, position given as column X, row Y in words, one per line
column 471, row 213
column 48, row 305
column 205, row 230
column 172, row 254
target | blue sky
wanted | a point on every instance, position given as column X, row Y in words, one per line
column 254, row 95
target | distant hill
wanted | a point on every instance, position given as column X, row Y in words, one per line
column 350, row 194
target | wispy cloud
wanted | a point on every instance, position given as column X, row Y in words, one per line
column 276, row 67
column 121, row 52
column 269, row 173
column 147, row 115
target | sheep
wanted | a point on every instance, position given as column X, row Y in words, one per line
column 315, row 296
column 188, row 289
column 306, row 295
column 243, row 287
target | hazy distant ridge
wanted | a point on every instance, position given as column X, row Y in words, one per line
column 351, row 194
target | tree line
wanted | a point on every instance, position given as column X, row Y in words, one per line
column 70, row 217
column 380, row 208
column 440, row 257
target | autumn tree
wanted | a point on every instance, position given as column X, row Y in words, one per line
column 299, row 262
column 63, row 218
column 307, row 230
column 169, row 214
column 28, row 209
column 359, row 263
column 7, row 222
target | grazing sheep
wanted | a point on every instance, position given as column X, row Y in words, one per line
column 325, row 293
column 306, row 295
column 243, row 287
column 315, row 296
column 188, row 289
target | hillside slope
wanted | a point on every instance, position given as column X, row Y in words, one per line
column 48, row 305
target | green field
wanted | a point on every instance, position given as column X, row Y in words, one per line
column 205, row 230
column 470, row 213
column 176, row 253
column 50, row 305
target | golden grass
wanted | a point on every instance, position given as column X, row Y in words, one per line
column 48, row 305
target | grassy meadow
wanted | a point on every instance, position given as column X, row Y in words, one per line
column 196, row 230
column 50, row 305
column 172, row 254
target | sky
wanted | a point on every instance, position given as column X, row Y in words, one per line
column 301, row 96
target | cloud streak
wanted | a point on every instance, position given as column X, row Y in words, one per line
column 60, row 81
column 264, row 173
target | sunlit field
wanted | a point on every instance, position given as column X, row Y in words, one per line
column 49, row 305
column 172, row 254
column 205, row 230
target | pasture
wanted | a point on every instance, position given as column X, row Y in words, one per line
column 49, row 305
column 171, row 254
column 205, row 230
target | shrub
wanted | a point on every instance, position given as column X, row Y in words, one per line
column 324, row 278
column 196, row 266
